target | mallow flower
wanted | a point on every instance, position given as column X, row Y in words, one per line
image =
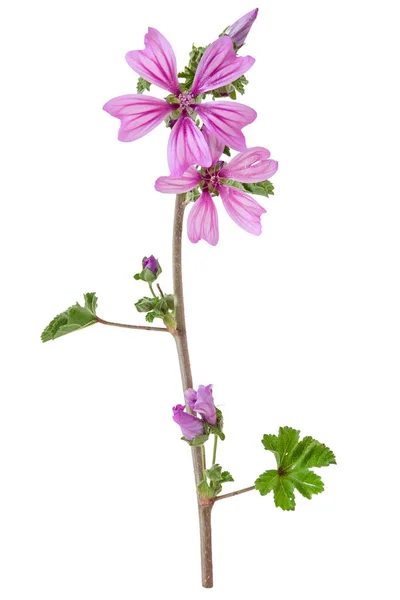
column 251, row 166
column 189, row 424
column 202, row 402
column 139, row 113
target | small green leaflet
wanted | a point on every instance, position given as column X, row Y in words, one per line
column 294, row 459
column 142, row 85
column 74, row 318
column 213, row 479
column 263, row 188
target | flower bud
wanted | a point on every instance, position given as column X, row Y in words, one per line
column 202, row 402
column 150, row 263
column 240, row 29
column 190, row 425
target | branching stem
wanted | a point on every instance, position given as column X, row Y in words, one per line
column 249, row 489
column 145, row 327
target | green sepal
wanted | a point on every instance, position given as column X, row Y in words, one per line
column 217, row 428
column 142, row 85
column 74, row 318
column 194, row 194
column 205, row 491
column 199, row 440
column 293, row 458
column 227, row 151
column 263, row 188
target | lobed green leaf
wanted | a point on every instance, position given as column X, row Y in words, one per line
column 74, row 318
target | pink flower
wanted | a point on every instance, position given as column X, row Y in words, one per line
column 139, row 114
column 251, row 166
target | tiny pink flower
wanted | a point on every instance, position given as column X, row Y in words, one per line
column 251, row 166
column 139, row 114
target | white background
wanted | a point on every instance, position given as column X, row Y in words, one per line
column 297, row 327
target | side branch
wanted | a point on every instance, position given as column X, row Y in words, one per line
column 249, row 489
column 145, row 327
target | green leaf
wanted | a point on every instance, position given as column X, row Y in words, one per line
column 240, row 84
column 150, row 317
column 293, row 458
column 226, row 477
column 91, row 302
column 217, row 477
column 74, row 318
column 189, row 72
column 142, row 85
column 227, row 151
column 267, row 482
column 307, row 482
column 145, row 304
column 214, row 473
column 263, row 188
column 284, row 494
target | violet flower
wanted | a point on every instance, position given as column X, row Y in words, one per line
column 189, row 424
column 139, row 113
column 202, row 402
column 251, row 166
column 239, row 31
column 150, row 263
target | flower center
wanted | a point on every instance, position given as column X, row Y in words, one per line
column 211, row 176
column 186, row 99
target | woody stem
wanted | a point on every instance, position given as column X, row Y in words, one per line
column 187, row 382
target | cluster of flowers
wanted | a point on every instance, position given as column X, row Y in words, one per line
column 202, row 402
column 191, row 144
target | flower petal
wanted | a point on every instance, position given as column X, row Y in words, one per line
column 139, row 114
column 219, row 66
column 190, row 397
column 216, row 145
column 186, row 147
column 157, row 62
column 225, row 120
column 241, row 207
column 250, row 166
column 178, row 185
column 203, row 220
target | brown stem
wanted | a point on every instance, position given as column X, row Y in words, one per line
column 249, row 489
column 187, row 382
column 146, row 327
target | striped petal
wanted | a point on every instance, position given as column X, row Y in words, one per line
column 216, row 145
column 202, row 222
column 178, row 185
column 186, row 147
column 251, row 166
column 219, row 66
column 226, row 120
column 139, row 114
column 241, row 207
column 157, row 62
